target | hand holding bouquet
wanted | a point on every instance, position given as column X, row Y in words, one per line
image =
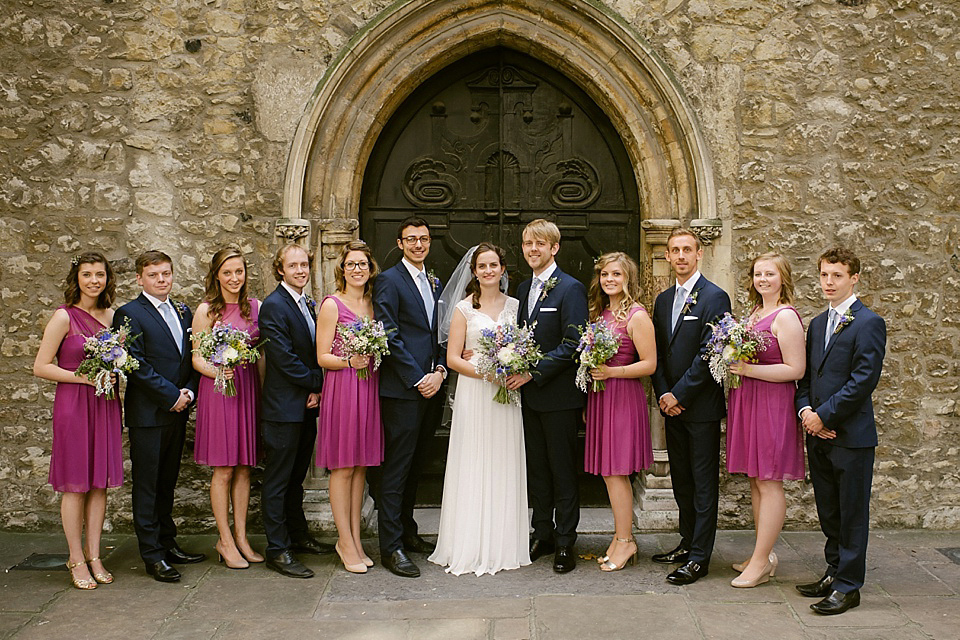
column 363, row 337
column 503, row 352
column 732, row 341
column 224, row 347
column 598, row 343
column 105, row 355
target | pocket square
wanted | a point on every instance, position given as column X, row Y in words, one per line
column 543, row 309
column 691, row 317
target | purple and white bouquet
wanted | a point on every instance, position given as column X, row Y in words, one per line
column 224, row 346
column 598, row 343
column 363, row 337
column 503, row 352
column 732, row 341
column 105, row 354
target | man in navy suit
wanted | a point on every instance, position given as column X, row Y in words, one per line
column 288, row 411
column 411, row 392
column 556, row 304
column 156, row 407
column 845, row 350
column 691, row 401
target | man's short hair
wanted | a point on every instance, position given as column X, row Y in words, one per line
column 543, row 229
column 152, row 257
column 282, row 253
column 411, row 221
column 843, row 256
column 683, row 231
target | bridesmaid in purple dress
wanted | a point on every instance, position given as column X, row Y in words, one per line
column 87, row 450
column 226, row 437
column 350, row 433
column 618, row 422
column 763, row 434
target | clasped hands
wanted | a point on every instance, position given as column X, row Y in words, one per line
column 813, row 425
column 430, row 384
column 670, row 405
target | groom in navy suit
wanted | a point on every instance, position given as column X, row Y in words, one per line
column 556, row 304
column 845, row 350
column 691, row 401
column 156, row 407
column 411, row 392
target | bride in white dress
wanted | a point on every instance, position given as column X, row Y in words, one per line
column 483, row 516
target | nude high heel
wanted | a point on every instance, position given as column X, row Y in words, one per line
column 221, row 558
column 739, row 566
column 741, row 583
column 352, row 568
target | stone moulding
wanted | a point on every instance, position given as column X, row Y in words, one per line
column 707, row 230
column 292, row 229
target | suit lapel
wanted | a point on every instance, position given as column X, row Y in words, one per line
column 836, row 335
column 523, row 292
column 294, row 308
column 676, row 329
column 415, row 290
column 558, row 274
column 158, row 319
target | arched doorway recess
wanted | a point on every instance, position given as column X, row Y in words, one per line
column 411, row 41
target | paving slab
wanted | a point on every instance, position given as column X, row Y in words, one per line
column 735, row 621
column 591, row 617
column 936, row 617
column 10, row 623
column 511, row 629
column 492, row 608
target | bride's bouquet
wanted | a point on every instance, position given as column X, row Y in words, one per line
column 732, row 341
column 224, row 346
column 503, row 352
column 105, row 354
column 363, row 337
column 598, row 343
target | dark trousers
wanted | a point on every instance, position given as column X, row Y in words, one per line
column 694, row 450
column 408, row 427
column 550, row 439
column 155, row 459
column 842, row 480
column 289, row 450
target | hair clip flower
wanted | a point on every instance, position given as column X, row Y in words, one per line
column 75, row 260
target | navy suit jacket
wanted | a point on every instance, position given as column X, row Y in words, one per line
column 681, row 369
column 414, row 348
column 155, row 386
column 291, row 371
column 839, row 383
column 557, row 316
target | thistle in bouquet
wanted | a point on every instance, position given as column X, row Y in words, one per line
column 363, row 337
column 505, row 351
column 598, row 343
column 224, row 346
column 106, row 355
column 732, row 341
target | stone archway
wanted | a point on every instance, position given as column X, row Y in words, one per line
column 411, row 41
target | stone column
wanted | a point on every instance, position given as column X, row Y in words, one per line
column 655, row 508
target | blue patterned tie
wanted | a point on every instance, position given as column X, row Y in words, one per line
column 832, row 319
column 535, row 285
column 679, row 299
column 170, row 317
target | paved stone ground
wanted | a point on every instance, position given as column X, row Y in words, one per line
column 912, row 592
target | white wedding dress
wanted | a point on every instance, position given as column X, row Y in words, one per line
column 483, row 517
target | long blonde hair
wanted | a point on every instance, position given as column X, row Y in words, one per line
column 599, row 300
column 754, row 300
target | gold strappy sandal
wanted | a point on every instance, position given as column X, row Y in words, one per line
column 104, row 577
column 80, row 583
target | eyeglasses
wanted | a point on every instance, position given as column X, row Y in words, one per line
column 354, row 266
column 412, row 241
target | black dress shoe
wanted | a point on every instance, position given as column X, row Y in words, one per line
column 417, row 544
column 309, row 544
column 287, row 564
column 687, row 574
column 819, row 589
column 163, row 572
column 565, row 560
column 670, row 557
column 176, row 555
column 540, row 548
column 837, row 602
column 400, row 564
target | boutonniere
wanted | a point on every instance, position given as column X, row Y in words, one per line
column 180, row 307
column 845, row 318
column 311, row 304
column 547, row 286
column 433, row 280
column 689, row 302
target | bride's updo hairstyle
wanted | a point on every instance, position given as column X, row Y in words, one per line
column 473, row 287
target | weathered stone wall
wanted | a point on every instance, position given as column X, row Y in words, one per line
column 167, row 123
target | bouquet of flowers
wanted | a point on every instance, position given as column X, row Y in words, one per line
column 224, row 346
column 105, row 353
column 503, row 352
column 732, row 341
column 598, row 343
column 363, row 337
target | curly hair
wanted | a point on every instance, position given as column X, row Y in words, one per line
column 842, row 255
column 787, row 296
column 213, row 292
column 71, row 288
column 339, row 271
column 599, row 300
column 473, row 287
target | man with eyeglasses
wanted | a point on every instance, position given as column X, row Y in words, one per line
column 411, row 392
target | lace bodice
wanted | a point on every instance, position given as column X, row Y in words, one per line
column 477, row 320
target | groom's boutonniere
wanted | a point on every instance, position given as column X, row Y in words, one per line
column 845, row 319
column 311, row 304
column 547, row 286
column 180, row 307
column 689, row 302
column 433, row 280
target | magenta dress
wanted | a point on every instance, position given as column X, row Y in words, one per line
column 349, row 432
column 763, row 433
column 618, row 421
column 227, row 426
column 87, row 448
